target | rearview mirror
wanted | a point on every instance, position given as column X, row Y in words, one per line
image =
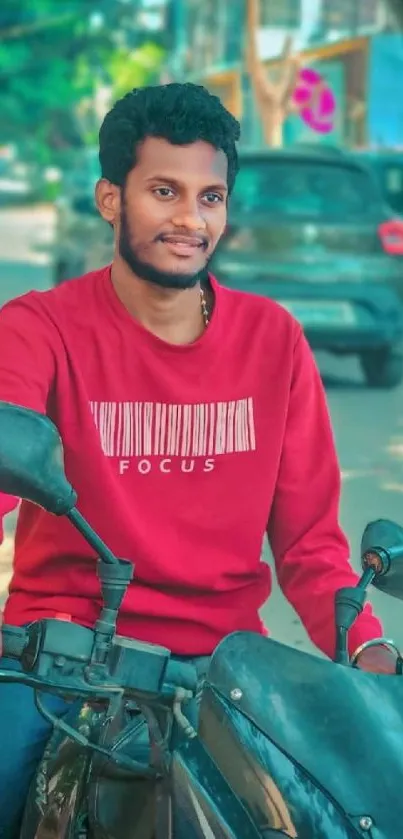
column 32, row 461
column 386, row 536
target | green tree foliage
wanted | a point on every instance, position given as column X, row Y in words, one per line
column 54, row 56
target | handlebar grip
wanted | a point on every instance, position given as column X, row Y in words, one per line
column 14, row 640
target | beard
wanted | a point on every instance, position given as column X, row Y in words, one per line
column 173, row 280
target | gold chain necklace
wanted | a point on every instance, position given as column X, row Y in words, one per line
column 204, row 308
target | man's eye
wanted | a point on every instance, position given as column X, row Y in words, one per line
column 164, row 191
column 214, row 198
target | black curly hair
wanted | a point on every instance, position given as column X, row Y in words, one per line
column 179, row 113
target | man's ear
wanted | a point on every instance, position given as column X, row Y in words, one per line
column 108, row 198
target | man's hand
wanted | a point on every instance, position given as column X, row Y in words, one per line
column 378, row 660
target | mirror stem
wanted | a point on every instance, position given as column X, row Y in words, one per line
column 366, row 578
column 349, row 603
column 81, row 524
column 341, row 652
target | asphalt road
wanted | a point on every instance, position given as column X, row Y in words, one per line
column 368, row 424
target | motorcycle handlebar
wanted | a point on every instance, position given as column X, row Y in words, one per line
column 14, row 641
column 45, row 655
column 75, row 663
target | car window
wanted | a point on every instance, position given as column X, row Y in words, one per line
column 392, row 184
column 299, row 189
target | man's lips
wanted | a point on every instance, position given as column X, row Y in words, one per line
column 183, row 245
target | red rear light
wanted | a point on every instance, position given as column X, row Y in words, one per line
column 391, row 235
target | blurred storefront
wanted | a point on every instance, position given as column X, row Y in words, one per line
column 354, row 46
column 385, row 102
column 345, row 18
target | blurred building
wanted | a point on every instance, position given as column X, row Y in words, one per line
column 282, row 13
column 354, row 44
column 213, row 30
column 209, row 36
column 343, row 18
column 209, row 33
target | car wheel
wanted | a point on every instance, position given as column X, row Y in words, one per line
column 382, row 368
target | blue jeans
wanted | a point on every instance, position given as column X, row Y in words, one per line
column 23, row 737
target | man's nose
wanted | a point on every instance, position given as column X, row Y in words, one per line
column 190, row 217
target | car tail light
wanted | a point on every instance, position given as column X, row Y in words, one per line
column 391, row 234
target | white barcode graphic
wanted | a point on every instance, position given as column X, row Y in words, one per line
column 142, row 429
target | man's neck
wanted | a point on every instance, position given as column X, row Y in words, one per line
column 174, row 316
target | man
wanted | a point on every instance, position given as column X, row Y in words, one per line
column 193, row 419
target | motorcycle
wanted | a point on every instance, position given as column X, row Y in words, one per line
column 287, row 744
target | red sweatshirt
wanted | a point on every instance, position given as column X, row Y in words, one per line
column 182, row 457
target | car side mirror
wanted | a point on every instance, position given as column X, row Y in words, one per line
column 32, row 460
column 382, row 549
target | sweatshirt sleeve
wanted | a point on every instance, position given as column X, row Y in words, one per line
column 310, row 550
column 27, row 364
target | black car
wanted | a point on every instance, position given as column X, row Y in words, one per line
column 312, row 231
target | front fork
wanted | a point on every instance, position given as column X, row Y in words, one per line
column 56, row 806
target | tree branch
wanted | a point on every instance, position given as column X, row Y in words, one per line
column 21, row 31
column 262, row 83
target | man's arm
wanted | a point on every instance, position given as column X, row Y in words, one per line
column 310, row 550
column 27, row 364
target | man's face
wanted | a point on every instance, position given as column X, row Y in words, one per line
column 173, row 212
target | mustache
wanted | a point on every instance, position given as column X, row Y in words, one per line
column 146, row 271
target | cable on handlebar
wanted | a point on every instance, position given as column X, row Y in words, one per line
column 188, row 730
column 17, row 677
column 134, row 766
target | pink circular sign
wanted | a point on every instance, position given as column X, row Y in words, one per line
column 315, row 101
